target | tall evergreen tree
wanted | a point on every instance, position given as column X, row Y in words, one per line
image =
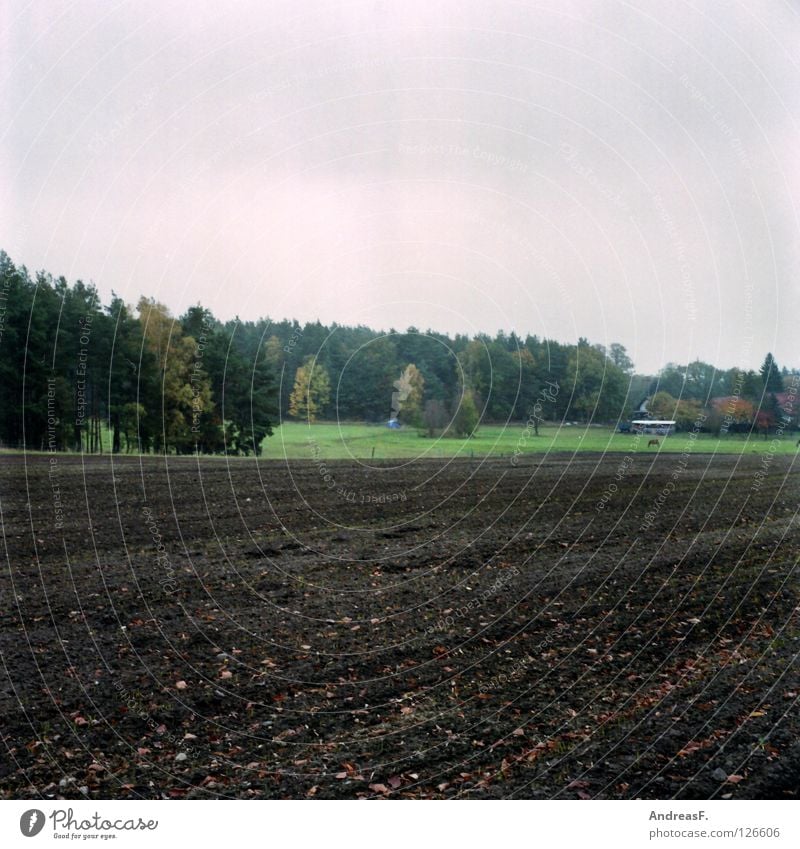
column 771, row 376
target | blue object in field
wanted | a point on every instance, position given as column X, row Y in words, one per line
column 393, row 424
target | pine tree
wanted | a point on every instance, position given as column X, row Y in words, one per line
column 771, row 375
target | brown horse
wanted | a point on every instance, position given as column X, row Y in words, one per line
column 653, row 442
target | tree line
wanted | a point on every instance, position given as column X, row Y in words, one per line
column 733, row 401
column 76, row 374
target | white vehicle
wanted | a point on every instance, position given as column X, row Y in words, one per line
column 659, row 427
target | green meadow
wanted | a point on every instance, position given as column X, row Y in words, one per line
column 358, row 441
column 346, row 440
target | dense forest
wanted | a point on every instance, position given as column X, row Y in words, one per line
column 80, row 375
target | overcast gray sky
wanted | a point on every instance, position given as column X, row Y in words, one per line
column 620, row 171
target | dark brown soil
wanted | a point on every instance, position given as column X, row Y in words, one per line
column 424, row 630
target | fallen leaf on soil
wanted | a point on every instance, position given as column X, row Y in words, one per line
column 691, row 746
